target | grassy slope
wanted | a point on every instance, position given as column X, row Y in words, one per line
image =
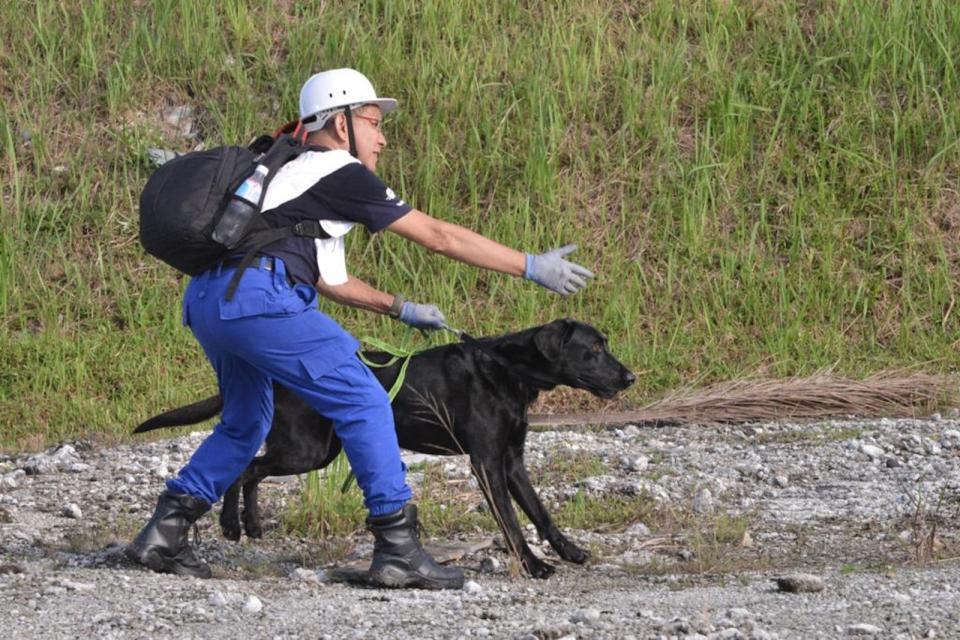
column 760, row 187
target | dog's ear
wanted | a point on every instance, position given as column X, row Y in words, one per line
column 551, row 338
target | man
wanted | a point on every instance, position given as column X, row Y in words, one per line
column 272, row 330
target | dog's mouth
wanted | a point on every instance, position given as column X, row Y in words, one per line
column 604, row 392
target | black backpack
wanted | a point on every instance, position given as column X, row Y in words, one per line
column 185, row 197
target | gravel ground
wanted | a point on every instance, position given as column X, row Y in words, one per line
column 867, row 509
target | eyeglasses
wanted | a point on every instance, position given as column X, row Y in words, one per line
column 376, row 122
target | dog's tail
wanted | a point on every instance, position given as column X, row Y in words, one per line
column 190, row 414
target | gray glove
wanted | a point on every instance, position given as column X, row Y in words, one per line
column 421, row 316
column 550, row 270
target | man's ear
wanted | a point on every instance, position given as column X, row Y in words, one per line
column 551, row 338
column 340, row 126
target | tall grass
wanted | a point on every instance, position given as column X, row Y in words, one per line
column 325, row 508
column 760, row 186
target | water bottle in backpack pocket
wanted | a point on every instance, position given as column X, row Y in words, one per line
column 241, row 209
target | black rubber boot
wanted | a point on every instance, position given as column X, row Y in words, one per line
column 162, row 545
column 398, row 558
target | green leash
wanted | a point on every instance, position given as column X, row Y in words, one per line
column 397, row 355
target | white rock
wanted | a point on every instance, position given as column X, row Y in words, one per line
column 597, row 484
column 739, row 614
column 217, row 599
column 305, row 575
column 638, row 529
column 77, row 586
column 637, row 464
column 863, row 629
column 65, row 453
column 800, row 583
column 71, row 510
column 181, row 119
column 642, row 486
column 703, row 501
column 252, row 605
column 472, row 588
column 587, row 616
column 489, row 565
column 871, row 450
column 161, row 156
column 648, row 614
column 932, row 447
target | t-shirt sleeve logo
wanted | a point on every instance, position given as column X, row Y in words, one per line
column 392, row 196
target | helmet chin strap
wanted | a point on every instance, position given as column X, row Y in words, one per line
column 350, row 136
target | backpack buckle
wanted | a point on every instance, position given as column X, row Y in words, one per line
column 308, row 228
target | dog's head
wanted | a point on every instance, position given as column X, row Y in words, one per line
column 576, row 354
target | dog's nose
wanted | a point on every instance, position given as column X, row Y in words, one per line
column 629, row 378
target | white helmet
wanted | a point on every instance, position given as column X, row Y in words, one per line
column 327, row 92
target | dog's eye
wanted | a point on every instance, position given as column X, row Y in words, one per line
column 597, row 347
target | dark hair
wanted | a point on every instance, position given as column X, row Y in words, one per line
column 330, row 124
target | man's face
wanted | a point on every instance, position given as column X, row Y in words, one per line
column 369, row 138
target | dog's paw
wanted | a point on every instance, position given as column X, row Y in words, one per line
column 231, row 530
column 538, row 568
column 572, row 553
column 251, row 527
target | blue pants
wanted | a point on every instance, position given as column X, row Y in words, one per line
column 270, row 332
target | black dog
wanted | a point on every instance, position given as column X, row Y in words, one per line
column 469, row 398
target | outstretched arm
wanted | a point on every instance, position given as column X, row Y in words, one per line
column 459, row 243
column 550, row 270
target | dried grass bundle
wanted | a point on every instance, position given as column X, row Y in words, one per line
column 895, row 394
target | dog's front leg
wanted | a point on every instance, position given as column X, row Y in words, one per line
column 229, row 516
column 251, row 507
column 493, row 483
column 526, row 496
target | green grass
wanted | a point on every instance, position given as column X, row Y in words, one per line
column 323, row 509
column 604, row 513
column 567, row 467
column 760, row 186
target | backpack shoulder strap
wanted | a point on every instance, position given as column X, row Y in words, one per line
column 274, row 153
column 282, row 150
